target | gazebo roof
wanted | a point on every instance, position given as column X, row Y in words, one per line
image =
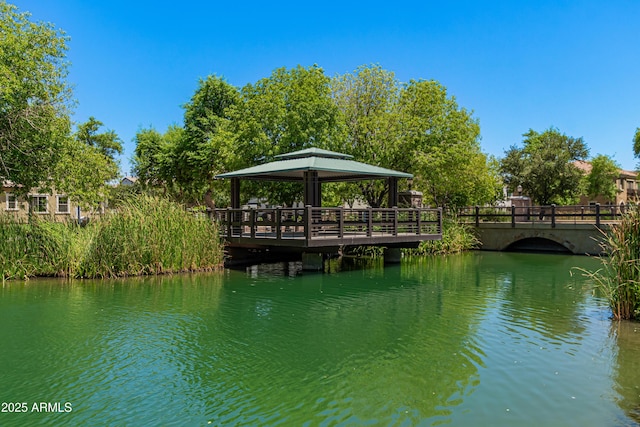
column 329, row 165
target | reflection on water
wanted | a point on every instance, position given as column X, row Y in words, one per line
column 473, row 339
column 627, row 367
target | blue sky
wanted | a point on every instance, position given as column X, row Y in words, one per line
column 517, row 64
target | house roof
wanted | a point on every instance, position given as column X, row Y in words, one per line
column 586, row 168
column 329, row 165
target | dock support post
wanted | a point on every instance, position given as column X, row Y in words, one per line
column 392, row 255
column 312, row 261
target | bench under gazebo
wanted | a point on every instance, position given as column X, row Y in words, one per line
column 314, row 229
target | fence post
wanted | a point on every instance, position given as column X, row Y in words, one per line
column 253, row 223
column 369, row 221
column 440, row 220
column 553, row 216
column 598, row 215
column 477, row 216
column 395, row 220
column 307, row 222
column 341, row 222
column 513, row 216
column 419, row 221
column 278, row 214
column 229, row 221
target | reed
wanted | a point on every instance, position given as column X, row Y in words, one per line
column 619, row 277
column 151, row 235
column 146, row 235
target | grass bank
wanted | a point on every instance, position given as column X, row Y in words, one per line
column 619, row 277
column 146, row 235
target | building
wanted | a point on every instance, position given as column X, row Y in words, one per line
column 128, row 181
column 43, row 203
column 626, row 183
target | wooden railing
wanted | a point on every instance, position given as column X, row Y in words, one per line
column 326, row 223
column 552, row 214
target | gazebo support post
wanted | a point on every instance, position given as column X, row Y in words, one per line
column 311, row 189
column 312, row 261
column 393, row 191
column 392, row 255
column 235, row 204
column 235, row 193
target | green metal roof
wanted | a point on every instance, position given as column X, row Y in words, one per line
column 318, row 152
column 331, row 166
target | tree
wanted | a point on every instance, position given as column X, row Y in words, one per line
column 288, row 111
column 83, row 174
column 601, row 180
column 155, row 159
column 369, row 102
column 636, row 143
column 146, row 162
column 34, row 99
column 202, row 150
column 107, row 143
column 441, row 146
column 543, row 166
column 415, row 128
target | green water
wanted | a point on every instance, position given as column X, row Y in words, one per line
column 481, row 339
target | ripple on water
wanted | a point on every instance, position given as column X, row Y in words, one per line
column 455, row 341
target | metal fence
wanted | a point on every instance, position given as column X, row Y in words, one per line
column 552, row 214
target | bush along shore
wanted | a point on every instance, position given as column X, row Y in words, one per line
column 456, row 238
column 145, row 235
column 619, row 278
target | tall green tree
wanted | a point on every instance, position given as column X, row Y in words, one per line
column 636, row 143
column 155, row 159
column 601, row 180
column 415, row 128
column 290, row 110
column 368, row 99
column 88, row 164
column 108, row 143
column 83, row 173
column 206, row 144
column 34, row 99
column 441, row 147
column 543, row 166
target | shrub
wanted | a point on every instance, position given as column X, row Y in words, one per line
column 456, row 238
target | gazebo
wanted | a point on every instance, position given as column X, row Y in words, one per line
column 314, row 229
column 312, row 167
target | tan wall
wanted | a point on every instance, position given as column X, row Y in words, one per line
column 21, row 210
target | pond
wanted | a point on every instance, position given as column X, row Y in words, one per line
column 498, row 339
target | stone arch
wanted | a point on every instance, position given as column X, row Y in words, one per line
column 538, row 244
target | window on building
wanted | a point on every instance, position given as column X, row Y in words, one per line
column 62, row 205
column 12, row 202
column 40, row 204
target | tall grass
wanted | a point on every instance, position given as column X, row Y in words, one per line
column 146, row 235
column 619, row 277
column 150, row 235
column 39, row 247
